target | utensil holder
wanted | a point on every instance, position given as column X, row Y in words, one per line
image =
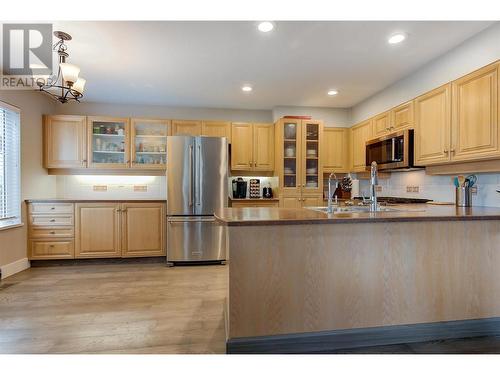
column 463, row 197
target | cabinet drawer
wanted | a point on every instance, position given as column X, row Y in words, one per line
column 52, row 249
column 51, row 208
column 51, row 221
column 51, row 233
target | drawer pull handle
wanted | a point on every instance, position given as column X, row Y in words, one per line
column 52, row 220
column 51, row 245
column 52, row 208
column 52, row 232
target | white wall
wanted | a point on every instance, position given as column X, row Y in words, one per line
column 474, row 53
column 339, row 117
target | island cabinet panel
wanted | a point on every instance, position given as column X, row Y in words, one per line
column 97, row 230
column 433, row 127
column 65, row 140
column 382, row 124
column 286, row 279
column 475, row 133
column 360, row 133
column 186, row 127
column 216, row 129
column 335, row 150
column 143, row 229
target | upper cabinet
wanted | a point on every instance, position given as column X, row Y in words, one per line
column 433, row 126
column 402, row 116
column 382, row 124
column 108, row 142
column 65, row 140
column 149, row 143
column 335, row 150
column 298, row 147
column 475, row 133
column 186, row 127
column 216, row 129
column 360, row 133
column 252, row 147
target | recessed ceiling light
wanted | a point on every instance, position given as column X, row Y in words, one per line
column 247, row 88
column 332, row 92
column 396, row 38
column 265, row 26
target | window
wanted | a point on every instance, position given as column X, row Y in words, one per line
column 10, row 179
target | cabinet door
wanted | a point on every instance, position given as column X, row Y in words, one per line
column 381, row 124
column 216, row 129
column 312, row 201
column 402, row 116
column 433, row 126
column 290, row 202
column 242, row 147
column 149, row 143
column 97, row 230
column 65, row 141
column 186, row 127
column 108, row 142
column 474, row 131
column 263, row 147
column 335, row 150
column 289, row 133
column 143, row 229
column 312, row 176
column 360, row 134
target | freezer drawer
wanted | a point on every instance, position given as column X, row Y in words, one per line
column 195, row 238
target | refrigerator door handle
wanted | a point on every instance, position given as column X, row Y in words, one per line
column 197, row 193
column 190, row 176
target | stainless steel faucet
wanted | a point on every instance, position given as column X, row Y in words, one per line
column 373, row 186
column 331, row 177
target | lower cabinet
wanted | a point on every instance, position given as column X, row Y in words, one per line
column 143, row 229
column 99, row 230
column 255, row 203
column 97, row 227
column 312, row 200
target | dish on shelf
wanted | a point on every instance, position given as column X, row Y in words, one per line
column 311, row 171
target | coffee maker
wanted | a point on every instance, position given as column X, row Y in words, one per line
column 239, row 188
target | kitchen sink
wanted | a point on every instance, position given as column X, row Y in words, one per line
column 352, row 209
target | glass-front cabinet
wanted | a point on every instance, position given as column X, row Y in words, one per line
column 108, row 142
column 149, row 143
column 300, row 146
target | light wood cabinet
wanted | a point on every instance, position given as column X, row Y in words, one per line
column 475, row 133
column 216, row 129
column 252, row 147
column 402, row 117
column 433, row 126
column 149, row 143
column 143, row 229
column 64, row 141
column 382, row 124
column 300, row 201
column 186, row 127
column 255, row 203
column 108, row 142
column 299, row 147
column 359, row 135
column 61, row 249
column 97, row 230
column 335, row 150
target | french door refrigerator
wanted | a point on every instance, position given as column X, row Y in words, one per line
column 196, row 188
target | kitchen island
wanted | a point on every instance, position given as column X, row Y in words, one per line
column 306, row 281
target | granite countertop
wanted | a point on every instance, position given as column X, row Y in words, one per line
column 406, row 213
column 95, row 200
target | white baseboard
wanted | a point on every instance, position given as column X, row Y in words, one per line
column 15, row 267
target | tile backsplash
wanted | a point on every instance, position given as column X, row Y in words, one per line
column 111, row 187
column 438, row 188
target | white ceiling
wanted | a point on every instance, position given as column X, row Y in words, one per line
column 204, row 64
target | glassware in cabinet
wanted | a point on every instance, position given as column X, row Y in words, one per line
column 108, row 142
column 149, row 143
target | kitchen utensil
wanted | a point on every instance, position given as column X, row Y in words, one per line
column 463, row 197
column 471, row 180
column 461, row 181
column 346, row 184
column 267, row 192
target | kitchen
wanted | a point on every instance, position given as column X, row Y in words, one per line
column 256, row 217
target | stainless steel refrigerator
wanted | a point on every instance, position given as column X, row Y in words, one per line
column 196, row 188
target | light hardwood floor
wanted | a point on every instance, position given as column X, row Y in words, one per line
column 114, row 308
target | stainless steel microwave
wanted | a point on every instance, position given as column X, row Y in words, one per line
column 391, row 152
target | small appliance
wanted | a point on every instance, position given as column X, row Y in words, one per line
column 239, row 188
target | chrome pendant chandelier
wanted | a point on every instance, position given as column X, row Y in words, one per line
column 67, row 85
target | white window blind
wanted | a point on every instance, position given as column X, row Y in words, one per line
column 10, row 176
